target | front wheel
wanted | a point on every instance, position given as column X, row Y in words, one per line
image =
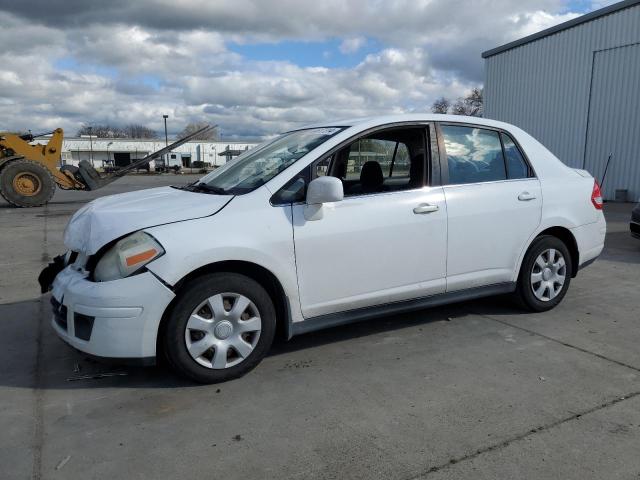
column 24, row 183
column 221, row 327
column 545, row 274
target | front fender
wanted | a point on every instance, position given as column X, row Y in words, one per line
column 260, row 235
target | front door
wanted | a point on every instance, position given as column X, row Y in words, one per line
column 386, row 241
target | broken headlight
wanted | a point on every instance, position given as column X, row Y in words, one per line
column 127, row 256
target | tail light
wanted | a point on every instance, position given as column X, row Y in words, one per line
column 596, row 196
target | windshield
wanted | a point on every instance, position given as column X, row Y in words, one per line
column 256, row 167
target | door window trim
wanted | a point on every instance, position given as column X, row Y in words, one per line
column 444, row 164
column 432, row 170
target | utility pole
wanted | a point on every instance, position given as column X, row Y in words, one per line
column 166, row 138
column 91, row 145
column 166, row 142
column 108, row 157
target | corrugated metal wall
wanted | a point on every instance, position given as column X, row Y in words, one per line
column 614, row 119
column 545, row 87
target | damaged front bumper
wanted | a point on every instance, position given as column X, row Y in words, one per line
column 49, row 273
column 115, row 319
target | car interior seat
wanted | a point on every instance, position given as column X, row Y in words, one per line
column 371, row 178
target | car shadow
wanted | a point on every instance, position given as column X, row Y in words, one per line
column 397, row 322
column 53, row 365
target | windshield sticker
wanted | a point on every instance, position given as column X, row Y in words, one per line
column 327, row 131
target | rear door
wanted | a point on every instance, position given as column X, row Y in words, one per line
column 494, row 204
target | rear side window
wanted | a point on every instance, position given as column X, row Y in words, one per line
column 516, row 165
column 473, row 154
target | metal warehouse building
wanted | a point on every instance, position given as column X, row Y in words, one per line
column 576, row 88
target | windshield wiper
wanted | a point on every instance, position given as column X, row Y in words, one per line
column 203, row 187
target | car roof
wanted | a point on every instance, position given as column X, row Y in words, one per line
column 373, row 121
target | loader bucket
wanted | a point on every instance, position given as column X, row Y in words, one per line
column 90, row 176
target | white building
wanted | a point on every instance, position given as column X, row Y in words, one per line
column 122, row 151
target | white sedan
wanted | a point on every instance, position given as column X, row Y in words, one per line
column 322, row 226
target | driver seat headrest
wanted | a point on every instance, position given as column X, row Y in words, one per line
column 371, row 178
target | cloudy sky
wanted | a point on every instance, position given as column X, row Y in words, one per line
column 255, row 67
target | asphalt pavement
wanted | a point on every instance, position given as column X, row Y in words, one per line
column 478, row 390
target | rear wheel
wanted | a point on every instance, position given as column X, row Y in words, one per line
column 221, row 327
column 545, row 274
column 24, row 183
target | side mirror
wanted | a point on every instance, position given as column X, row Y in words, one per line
column 322, row 190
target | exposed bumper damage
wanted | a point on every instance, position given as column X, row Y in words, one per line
column 48, row 273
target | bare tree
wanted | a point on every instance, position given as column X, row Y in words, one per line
column 441, row 105
column 194, row 127
column 101, row 131
column 471, row 105
column 134, row 130
column 109, row 131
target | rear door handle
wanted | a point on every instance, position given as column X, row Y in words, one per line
column 425, row 208
column 526, row 196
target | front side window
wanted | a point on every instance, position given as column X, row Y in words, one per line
column 256, row 167
column 392, row 156
column 473, row 154
column 385, row 161
column 389, row 160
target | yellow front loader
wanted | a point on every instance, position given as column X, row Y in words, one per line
column 29, row 173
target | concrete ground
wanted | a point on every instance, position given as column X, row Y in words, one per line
column 470, row 391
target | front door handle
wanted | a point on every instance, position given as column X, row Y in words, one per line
column 425, row 208
column 526, row 196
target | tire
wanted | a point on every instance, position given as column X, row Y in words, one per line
column 543, row 282
column 24, row 183
column 195, row 338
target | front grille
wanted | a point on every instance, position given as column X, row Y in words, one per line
column 59, row 313
column 82, row 326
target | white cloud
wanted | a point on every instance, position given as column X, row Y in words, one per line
column 352, row 44
column 529, row 23
column 65, row 64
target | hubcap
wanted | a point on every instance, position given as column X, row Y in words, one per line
column 26, row 184
column 223, row 330
column 548, row 275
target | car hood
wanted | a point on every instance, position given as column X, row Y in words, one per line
column 108, row 218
